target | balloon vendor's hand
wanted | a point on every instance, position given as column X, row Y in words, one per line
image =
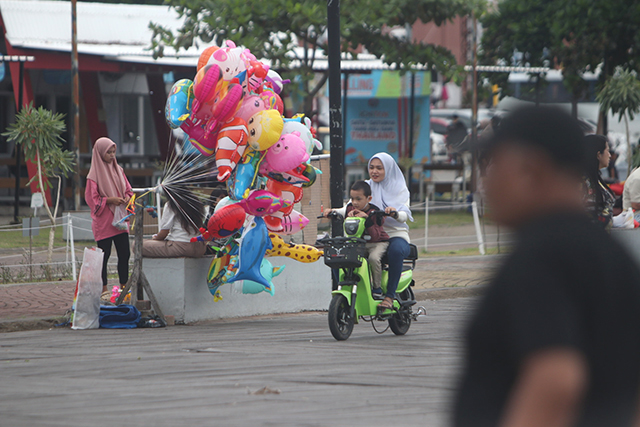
column 116, row 201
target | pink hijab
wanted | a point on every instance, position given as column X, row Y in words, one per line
column 108, row 176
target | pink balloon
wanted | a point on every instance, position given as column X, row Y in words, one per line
column 286, row 224
column 284, row 155
column 262, row 202
column 251, row 105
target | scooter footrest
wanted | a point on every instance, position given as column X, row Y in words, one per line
column 408, row 303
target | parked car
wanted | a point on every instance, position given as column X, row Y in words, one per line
column 439, row 125
column 438, row 147
column 464, row 114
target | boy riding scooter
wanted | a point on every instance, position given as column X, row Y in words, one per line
column 377, row 239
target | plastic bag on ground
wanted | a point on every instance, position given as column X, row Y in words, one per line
column 88, row 291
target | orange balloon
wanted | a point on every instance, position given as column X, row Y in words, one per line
column 204, row 56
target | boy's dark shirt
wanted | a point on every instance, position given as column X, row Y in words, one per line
column 566, row 284
column 373, row 224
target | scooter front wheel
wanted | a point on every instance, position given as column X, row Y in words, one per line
column 340, row 320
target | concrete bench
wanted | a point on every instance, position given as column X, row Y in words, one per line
column 180, row 286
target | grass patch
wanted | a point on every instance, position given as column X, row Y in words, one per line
column 451, row 218
column 13, row 239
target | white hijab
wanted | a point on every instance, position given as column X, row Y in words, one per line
column 391, row 191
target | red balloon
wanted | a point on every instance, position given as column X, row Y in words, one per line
column 227, row 221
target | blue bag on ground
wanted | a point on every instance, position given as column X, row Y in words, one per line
column 120, row 317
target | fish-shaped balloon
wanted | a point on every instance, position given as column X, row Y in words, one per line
column 263, row 202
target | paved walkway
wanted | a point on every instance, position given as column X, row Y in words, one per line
column 263, row 371
column 24, row 306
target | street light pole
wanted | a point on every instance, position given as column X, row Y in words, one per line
column 336, row 164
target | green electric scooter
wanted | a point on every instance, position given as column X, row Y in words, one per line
column 353, row 298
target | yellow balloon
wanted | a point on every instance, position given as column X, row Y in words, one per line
column 302, row 253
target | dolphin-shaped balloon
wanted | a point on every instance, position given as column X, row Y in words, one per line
column 268, row 272
column 254, row 243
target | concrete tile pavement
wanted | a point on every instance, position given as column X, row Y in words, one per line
column 40, row 305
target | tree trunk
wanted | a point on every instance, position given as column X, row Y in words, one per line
column 52, row 230
column 574, row 107
column 310, row 95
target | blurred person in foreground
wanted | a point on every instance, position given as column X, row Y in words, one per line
column 555, row 341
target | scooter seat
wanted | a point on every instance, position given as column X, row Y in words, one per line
column 410, row 260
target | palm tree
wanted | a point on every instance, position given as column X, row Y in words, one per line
column 621, row 95
column 38, row 132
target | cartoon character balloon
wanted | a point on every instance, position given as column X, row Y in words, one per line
column 265, row 128
column 287, row 153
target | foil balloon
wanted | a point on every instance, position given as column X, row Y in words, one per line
column 262, row 202
column 287, row 153
column 250, row 106
column 291, row 194
column 205, row 55
column 232, row 141
column 205, row 86
column 228, row 59
column 286, row 224
column 265, row 128
column 253, row 245
column 302, row 253
column 227, row 221
column 179, row 102
column 268, row 271
column 243, row 175
column 302, row 125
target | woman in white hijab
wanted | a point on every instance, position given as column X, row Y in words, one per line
column 389, row 192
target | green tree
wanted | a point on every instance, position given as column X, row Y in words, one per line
column 276, row 29
column 621, row 95
column 38, row 132
column 576, row 35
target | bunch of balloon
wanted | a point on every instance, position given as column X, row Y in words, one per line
column 232, row 110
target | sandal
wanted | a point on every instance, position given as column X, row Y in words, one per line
column 386, row 304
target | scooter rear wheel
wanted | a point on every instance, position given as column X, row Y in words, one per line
column 400, row 323
column 340, row 320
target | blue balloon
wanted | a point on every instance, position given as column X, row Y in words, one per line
column 243, row 175
column 268, row 271
column 254, row 243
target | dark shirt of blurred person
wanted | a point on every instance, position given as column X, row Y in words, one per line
column 555, row 340
column 456, row 132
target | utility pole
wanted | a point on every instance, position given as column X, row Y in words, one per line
column 474, row 107
column 336, row 164
column 75, row 109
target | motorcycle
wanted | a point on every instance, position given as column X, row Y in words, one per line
column 353, row 298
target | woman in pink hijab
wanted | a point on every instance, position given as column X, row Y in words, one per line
column 107, row 188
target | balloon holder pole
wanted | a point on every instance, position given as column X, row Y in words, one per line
column 138, row 282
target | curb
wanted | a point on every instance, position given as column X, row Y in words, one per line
column 32, row 324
